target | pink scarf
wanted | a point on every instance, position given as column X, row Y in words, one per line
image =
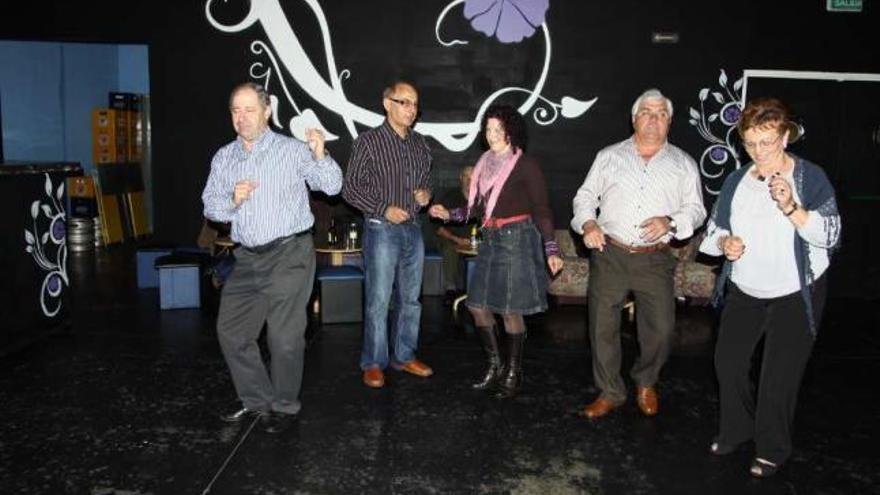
column 494, row 184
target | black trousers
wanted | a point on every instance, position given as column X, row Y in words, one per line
column 271, row 287
column 782, row 323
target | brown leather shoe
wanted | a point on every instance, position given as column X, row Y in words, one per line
column 600, row 407
column 646, row 397
column 415, row 367
column 373, row 377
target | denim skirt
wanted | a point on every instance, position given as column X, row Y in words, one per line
column 510, row 274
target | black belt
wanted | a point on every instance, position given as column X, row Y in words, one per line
column 265, row 248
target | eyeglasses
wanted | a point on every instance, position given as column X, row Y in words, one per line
column 764, row 143
column 404, row 103
column 645, row 113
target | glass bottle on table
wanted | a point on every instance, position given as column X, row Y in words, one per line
column 474, row 237
column 332, row 235
column 352, row 236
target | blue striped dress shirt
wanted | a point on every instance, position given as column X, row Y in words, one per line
column 626, row 191
column 282, row 167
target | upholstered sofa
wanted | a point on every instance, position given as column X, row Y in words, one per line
column 694, row 280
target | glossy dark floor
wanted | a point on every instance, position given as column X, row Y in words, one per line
column 127, row 402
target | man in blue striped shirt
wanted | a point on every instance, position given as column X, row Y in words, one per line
column 260, row 184
column 387, row 179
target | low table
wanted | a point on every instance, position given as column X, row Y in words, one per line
column 337, row 253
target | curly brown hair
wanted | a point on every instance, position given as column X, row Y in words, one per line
column 768, row 113
column 513, row 122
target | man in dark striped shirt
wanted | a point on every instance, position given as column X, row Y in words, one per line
column 388, row 180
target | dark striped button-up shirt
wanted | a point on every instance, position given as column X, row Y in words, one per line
column 384, row 170
column 282, row 167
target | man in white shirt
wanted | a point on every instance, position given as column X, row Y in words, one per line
column 646, row 191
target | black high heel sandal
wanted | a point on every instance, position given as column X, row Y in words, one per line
column 762, row 468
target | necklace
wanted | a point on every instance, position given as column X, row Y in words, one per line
column 762, row 177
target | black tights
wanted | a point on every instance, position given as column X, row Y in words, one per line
column 513, row 322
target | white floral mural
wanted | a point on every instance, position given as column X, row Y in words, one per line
column 283, row 61
column 47, row 244
column 715, row 121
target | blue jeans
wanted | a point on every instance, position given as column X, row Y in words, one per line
column 393, row 259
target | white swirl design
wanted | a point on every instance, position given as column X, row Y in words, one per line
column 40, row 248
column 721, row 153
column 287, row 49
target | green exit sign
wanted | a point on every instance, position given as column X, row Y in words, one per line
column 844, row 6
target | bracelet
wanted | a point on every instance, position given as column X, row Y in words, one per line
column 792, row 210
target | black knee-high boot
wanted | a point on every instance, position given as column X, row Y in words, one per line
column 489, row 339
column 511, row 380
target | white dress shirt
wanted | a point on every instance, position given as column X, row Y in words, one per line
column 627, row 190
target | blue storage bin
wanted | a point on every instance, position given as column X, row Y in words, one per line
column 341, row 294
column 469, row 263
column 147, row 274
column 432, row 274
column 179, row 282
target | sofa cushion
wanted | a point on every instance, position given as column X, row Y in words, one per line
column 566, row 242
column 693, row 279
column 687, row 249
column 572, row 280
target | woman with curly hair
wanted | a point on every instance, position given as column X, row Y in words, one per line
column 508, row 193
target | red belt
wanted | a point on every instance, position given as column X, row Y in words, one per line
column 497, row 223
column 637, row 249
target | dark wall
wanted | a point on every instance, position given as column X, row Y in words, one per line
column 599, row 49
column 1, row 130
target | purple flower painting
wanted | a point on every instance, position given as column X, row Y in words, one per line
column 508, row 20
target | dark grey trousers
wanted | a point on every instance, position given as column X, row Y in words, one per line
column 271, row 287
column 615, row 273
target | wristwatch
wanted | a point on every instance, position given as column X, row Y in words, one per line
column 673, row 227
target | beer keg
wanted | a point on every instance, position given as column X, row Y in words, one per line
column 80, row 234
column 99, row 234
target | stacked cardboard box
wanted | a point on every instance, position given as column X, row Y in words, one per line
column 116, row 131
column 109, row 136
column 118, row 149
column 81, row 191
column 129, row 104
